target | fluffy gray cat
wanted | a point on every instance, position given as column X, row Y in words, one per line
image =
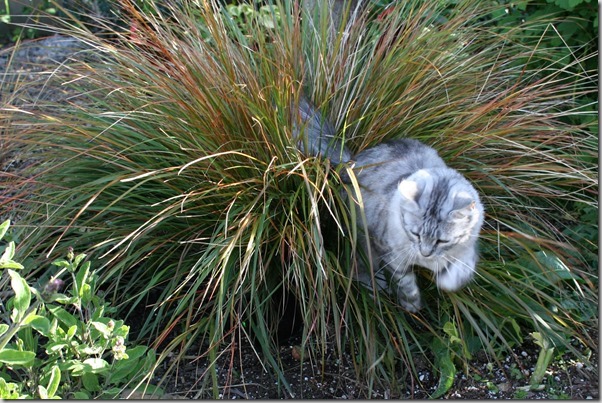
column 418, row 211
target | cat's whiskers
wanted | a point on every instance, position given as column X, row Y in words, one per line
column 399, row 261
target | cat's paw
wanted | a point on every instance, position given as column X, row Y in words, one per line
column 411, row 306
column 455, row 277
column 411, row 303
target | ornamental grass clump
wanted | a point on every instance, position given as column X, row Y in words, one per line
column 171, row 162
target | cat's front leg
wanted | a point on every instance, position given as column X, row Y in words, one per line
column 408, row 293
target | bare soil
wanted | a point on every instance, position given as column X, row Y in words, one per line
column 241, row 375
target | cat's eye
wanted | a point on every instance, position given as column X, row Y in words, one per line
column 441, row 242
column 415, row 234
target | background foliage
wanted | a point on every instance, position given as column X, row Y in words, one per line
column 173, row 166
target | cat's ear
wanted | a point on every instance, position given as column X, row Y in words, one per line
column 413, row 187
column 464, row 206
column 408, row 189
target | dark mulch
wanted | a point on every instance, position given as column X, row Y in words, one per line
column 241, row 374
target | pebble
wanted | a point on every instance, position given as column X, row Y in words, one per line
column 524, row 354
column 296, row 352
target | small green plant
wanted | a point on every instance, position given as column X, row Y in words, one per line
column 543, row 360
column 449, row 350
column 520, row 394
column 516, row 373
column 55, row 344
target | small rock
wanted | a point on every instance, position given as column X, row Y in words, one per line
column 296, row 352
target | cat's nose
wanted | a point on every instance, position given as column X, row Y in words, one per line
column 426, row 250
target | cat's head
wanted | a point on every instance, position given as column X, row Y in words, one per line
column 441, row 211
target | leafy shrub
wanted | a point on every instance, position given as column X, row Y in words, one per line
column 22, row 20
column 175, row 165
column 245, row 14
column 63, row 344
